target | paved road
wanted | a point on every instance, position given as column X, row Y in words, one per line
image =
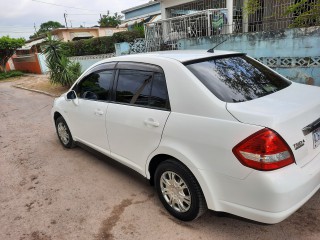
column 48, row 192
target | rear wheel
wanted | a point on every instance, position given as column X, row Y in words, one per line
column 64, row 133
column 179, row 191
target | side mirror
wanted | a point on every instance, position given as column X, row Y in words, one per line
column 71, row 95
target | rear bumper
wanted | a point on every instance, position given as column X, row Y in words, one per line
column 267, row 197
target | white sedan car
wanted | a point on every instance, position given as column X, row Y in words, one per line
column 210, row 130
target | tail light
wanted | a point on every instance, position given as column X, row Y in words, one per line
column 265, row 150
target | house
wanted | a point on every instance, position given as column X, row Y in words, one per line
column 74, row 34
column 28, row 58
column 282, row 34
column 145, row 13
column 264, row 15
column 181, row 19
column 171, row 9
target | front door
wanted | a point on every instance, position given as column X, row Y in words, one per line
column 88, row 117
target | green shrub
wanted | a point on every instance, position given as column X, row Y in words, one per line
column 139, row 28
column 75, row 70
column 10, row 74
column 99, row 45
column 128, row 36
column 306, row 13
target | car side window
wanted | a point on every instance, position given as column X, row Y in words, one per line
column 96, row 86
column 142, row 88
column 159, row 93
column 134, row 87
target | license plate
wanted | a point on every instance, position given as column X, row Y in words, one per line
column 316, row 138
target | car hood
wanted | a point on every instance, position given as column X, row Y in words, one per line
column 288, row 112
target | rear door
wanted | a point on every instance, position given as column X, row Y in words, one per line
column 138, row 113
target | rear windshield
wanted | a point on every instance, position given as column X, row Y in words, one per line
column 237, row 78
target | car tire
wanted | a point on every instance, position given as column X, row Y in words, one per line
column 179, row 191
column 64, row 133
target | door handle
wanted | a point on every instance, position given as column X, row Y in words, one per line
column 151, row 122
column 98, row 112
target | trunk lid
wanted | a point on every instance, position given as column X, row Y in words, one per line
column 293, row 112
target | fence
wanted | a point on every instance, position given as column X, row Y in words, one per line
column 193, row 20
column 163, row 35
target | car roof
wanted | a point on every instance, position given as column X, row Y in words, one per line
column 179, row 55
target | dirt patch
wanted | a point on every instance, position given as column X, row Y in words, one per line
column 306, row 220
column 36, row 236
column 40, row 83
column 49, row 192
column 111, row 222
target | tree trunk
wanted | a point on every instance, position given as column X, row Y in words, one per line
column 3, row 66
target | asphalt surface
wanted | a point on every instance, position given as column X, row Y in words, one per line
column 48, row 192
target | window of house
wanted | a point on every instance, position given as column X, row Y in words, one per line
column 96, row 86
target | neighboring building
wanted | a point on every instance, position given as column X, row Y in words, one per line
column 145, row 13
column 182, row 19
column 28, row 58
column 282, row 34
column 74, row 34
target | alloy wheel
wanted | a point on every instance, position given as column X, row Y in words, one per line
column 175, row 191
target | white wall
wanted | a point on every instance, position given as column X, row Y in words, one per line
column 169, row 3
column 87, row 61
column 42, row 62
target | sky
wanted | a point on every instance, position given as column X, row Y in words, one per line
column 18, row 17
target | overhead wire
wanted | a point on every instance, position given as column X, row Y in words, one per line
column 59, row 5
column 3, row 27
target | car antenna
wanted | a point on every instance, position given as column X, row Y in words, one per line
column 211, row 50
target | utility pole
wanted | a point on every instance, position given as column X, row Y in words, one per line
column 65, row 19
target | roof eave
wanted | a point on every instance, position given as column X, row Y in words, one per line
column 140, row 6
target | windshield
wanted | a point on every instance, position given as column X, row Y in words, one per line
column 237, row 78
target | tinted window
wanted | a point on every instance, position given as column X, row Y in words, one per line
column 134, row 87
column 159, row 93
column 96, row 86
column 237, row 79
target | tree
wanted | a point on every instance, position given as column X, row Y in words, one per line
column 251, row 6
column 306, row 13
column 110, row 21
column 47, row 27
column 61, row 69
column 7, row 48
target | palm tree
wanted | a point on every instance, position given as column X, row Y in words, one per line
column 61, row 69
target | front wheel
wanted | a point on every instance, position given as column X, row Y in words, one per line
column 179, row 191
column 64, row 133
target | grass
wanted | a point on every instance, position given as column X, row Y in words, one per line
column 10, row 74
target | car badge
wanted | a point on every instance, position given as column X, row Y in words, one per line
column 298, row 145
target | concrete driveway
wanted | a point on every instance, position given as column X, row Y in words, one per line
column 48, row 192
